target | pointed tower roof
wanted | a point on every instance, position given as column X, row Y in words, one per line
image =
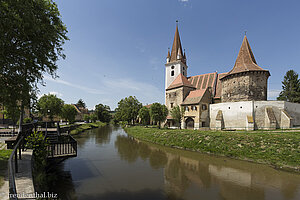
column 245, row 60
column 180, row 80
column 176, row 48
column 168, row 54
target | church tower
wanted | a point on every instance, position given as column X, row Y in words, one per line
column 246, row 81
column 176, row 61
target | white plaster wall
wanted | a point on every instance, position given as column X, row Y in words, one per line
column 259, row 112
column 293, row 110
column 178, row 68
column 234, row 114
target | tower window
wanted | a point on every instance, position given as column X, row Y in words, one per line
column 171, row 105
column 182, row 68
column 183, row 73
column 172, row 73
column 172, row 67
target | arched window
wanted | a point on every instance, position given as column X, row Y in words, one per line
column 172, row 67
column 172, row 73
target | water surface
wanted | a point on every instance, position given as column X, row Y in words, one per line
column 113, row 166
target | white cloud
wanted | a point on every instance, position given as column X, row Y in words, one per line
column 83, row 88
column 111, row 90
column 183, row 0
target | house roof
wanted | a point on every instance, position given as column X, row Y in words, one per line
column 194, row 97
column 201, row 83
column 180, row 80
column 245, row 60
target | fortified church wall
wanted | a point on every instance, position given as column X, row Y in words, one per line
column 233, row 100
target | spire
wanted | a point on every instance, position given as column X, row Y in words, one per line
column 176, row 48
column 168, row 53
column 245, row 60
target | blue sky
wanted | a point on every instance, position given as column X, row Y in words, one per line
column 118, row 48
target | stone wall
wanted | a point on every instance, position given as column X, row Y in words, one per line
column 176, row 96
column 245, row 86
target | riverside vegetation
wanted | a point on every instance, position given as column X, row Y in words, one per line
column 280, row 150
column 4, row 156
column 87, row 126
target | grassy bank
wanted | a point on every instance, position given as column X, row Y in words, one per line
column 281, row 150
column 4, row 156
column 87, row 126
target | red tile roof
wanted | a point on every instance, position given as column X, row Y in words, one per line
column 201, row 83
column 180, row 80
column 245, row 60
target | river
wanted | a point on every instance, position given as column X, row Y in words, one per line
column 113, row 166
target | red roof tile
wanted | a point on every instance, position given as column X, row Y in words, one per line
column 245, row 60
column 180, row 80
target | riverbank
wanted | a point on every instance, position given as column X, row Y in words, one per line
column 87, row 126
column 280, row 150
column 4, row 156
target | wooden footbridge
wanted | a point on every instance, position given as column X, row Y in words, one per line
column 60, row 147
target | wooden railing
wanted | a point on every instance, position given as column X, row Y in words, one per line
column 13, row 159
column 66, row 146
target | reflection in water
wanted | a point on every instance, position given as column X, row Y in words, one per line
column 111, row 165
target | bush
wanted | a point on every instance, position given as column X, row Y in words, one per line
column 27, row 120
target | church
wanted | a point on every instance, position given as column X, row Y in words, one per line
column 234, row 100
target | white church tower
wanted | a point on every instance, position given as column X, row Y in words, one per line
column 176, row 61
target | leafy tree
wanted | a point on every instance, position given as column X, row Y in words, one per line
column 12, row 112
column 86, row 117
column 158, row 113
column 177, row 114
column 102, row 112
column 31, row 35
column 290, row 87
column 93, row 117
column 50, row 105
column 128, row 109
column 68, row 112
column 80, row 103
column 144, row 114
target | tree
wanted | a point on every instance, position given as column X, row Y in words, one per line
column 50, row 105
column 290, row 87
column 128, row 109
column 102, row 112
column 158, row 113
column 93, row 117
column 177, row 114
column 144, row 114
column 80, row 103
column 68, row 112
column 86, row 118
column 31, row 35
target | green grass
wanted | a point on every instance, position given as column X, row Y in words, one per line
column 87, row 126
column 281, row 150
column 4, row 156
